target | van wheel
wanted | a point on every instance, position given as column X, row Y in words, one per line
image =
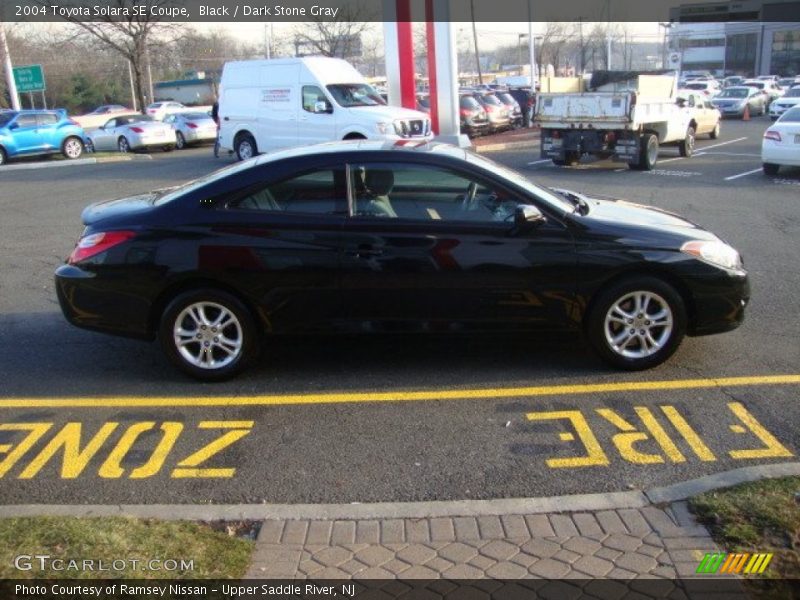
column 245, row 147
column 686, row 147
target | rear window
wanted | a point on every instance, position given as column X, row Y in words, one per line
column 155, row 105
column 468, row 102
column 492, row 99
column 196, row 115
column 791, row 116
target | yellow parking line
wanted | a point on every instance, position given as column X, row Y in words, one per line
column 398, row 396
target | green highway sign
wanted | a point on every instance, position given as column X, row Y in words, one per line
column 29, row 79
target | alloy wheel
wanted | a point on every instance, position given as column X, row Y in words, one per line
column 208, row 335
column 638, row 324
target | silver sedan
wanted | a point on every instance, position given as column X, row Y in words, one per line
column 126, row 133
column 192, row 128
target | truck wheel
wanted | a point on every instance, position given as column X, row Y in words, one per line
column 686, row 147
column 648, row 153
column 245, row 147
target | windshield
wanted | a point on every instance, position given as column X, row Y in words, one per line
column 791, row 116
column 731, row 93
column 197, row 115
column 355, row 94
column 127, row 120
column 554, row 200
column 696, row 86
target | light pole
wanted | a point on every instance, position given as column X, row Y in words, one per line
column 667, row 27
column 12, row 85
column 531, row 44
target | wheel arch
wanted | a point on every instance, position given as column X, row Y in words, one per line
column 173, row 290
column 355, row 135
column 650, row 270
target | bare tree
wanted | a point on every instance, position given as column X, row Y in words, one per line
column 340, row 37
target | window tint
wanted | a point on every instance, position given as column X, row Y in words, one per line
column 321, row 192
column 26, row 120
column 392, row 191
column 311, row 95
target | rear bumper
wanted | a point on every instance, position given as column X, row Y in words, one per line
column 100, row 304
column 780, row 154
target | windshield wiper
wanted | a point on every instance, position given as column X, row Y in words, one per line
column 579, row 200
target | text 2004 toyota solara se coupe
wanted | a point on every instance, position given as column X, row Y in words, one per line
column 366, row 236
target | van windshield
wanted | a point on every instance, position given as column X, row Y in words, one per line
column 355, row 94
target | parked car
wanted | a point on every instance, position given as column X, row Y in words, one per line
column 768, row 87
column 733, row 80
column 515, row 114
column 787, row 83
column 192, row 128
column 100, row 115
column 732, row 101
column 705, row 117
column 473, row 117
column 773, row 78
column 368, row 236
column 37, row 132
column 127, row 133
column 158, row 110
column 781, row 144
column 498, row 113
column 709, row 88
column 788, row 100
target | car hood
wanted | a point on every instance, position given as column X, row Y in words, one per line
column 629, row 215
column 386, row 113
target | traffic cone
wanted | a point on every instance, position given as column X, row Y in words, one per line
column 746, row 114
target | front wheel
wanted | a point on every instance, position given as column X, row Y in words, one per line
column 72, row 148
column 3, row 157
column 637, row 323
column 686, row 147
column 245, row 147
column 208, row 334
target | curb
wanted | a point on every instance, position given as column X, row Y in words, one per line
column 412, row 510
column 507, row 146
column 71, row 163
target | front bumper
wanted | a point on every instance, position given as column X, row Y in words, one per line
column 719, row 303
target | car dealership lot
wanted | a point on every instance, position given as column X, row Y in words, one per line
column 397, row 418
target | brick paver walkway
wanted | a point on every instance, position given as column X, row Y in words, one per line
column 622, row 544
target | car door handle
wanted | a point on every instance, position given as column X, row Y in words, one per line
column 365, row 252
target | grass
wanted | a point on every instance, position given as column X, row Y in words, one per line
column 763, row 516
column 216, row 554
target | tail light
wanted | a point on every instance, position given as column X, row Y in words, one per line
column 96, row 243
column 771, row 134
column 191, row 125
column 137, row 130
column 464, row 112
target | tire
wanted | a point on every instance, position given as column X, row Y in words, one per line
column 245, row 147
column 180, row 141
column 193, row 314
column 770, row 168
column 123, row 145
column 648, row 153
column 614, row 314
column 3, row 157
column 714, row 132
column 572, row 158
column 168, row 148
column 686, row 147
column 72, row 148
column 559, row 162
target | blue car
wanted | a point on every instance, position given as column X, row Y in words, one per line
column 30, row 132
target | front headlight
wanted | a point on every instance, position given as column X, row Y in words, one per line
column 714, row 252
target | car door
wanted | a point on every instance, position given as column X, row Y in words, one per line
column 281, row 241
column 25, row 131
column 436, row 248
column 316, row 118
column 103, row 138
column 50, row 137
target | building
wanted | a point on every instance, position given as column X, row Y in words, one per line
column 737, row 37
column 199, row 88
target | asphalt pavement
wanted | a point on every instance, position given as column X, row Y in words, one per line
column 90, row 418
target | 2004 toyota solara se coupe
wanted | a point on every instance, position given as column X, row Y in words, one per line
column 367, row 237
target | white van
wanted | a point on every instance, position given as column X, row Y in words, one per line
column 265, row 105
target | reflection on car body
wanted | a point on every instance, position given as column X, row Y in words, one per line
column 375, row 236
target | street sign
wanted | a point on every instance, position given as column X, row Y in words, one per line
column 29, row 79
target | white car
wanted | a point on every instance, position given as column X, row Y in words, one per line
column 192, row 128
column 781, row 144
column 770, row 88
column 159, row 110
column 709, row 88
column 704, row 115
column 781, row 105
column 126, row 133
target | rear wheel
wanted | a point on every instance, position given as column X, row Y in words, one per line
column 180, row 141
column 72, row 148
column 3, row 157
column 714, row 132
column 648, row 153
column 770, row 168
column 208, row 334
column 686, row 147
column 123, row 145
column 637, row 323
column 245, row 147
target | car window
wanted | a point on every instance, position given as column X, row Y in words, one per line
column 424, row 193
column 311, row 95
column 26, row 120
column 318, row 192
column 791, row 116
column 45, row 119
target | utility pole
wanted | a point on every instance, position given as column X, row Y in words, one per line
column 580, row 28
column 475, row 39
column 608, row 36
column 10, row 83
column 133, row 89
column 531, row 49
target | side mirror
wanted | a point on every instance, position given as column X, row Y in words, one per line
column 527, row 215
column 322, row 107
